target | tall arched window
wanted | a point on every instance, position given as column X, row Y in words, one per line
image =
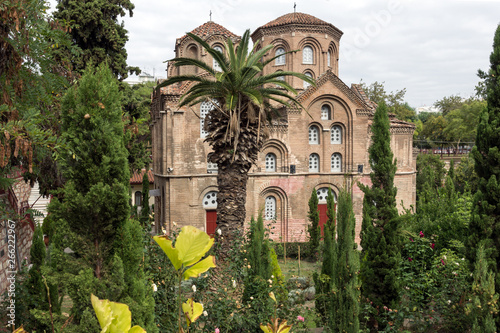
column 270, row 162
column 210, row 200
column 307, row 84
column 336, row 134
column 314, row 163
column 216, row 65
column 329, row 59
column 205, row 108
column 281, row 57
column 313, row 135
column 336, row 162
column 326, row 112
column 270, row 213
column 307, row 55
column 138, row 198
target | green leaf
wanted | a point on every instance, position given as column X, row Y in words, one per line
column 200, row 268
column 265, row 329
column 192, row 310
column 113, row 317
column 171, row 252
column 137, row 329
column 192, row 244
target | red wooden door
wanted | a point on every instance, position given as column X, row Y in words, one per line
column 211, row 221
column 322, row 216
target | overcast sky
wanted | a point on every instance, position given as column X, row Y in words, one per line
column 431, row 48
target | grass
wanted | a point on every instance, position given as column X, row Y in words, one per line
column 291, row 268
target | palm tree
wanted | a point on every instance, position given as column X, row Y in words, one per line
column 243, row 101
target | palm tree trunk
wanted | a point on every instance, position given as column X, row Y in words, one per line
column 232, row 183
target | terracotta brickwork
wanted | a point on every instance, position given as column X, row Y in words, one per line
column 324, row 146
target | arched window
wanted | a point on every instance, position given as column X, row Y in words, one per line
column 270, row 213
column 205, row 108
column 323, row 194
column 281, row 57
column 336, row 162
column 210, row 200
column 336, row 134
column 313, row 135
column 326, row 112
column 270, row 162
column 138, row 198
column 307, row 55
column 216, row 65
column 329, row 59
column 313, row 163
column 307, row 84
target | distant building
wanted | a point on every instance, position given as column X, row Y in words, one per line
column 323, row 148
column 141, row 78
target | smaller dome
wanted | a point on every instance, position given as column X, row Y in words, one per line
column 211, row 28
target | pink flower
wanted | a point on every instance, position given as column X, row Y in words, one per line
column 411, row 239
column 410, row 259
column 421, row 234
column 300, row 318
column 217, row 330
column 442, row 261
column 432, row 246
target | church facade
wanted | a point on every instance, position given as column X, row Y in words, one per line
column 322, row 147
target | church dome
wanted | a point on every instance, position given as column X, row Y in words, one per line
column 295, row 18
column 211, row 28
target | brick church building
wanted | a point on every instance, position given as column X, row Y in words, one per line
column 325, row 147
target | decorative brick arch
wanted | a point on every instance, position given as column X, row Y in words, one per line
column 280, row 226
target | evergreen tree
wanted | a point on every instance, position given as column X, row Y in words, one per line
column 96, row 30
column 330, row 212
column 145, row 219
column 379, row 234
column 313, row 228
column 344, row 305
column 485, row 220
column 91, row 213
column 257, row 287
column 484, row 299
column 324, row 282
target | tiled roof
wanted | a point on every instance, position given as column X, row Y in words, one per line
column 211, row 28
column 295, row 18
column 137, row 177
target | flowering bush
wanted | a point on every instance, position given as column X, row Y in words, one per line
column 434, row 285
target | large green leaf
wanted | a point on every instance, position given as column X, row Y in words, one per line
column 171, row 252
column 192, row 310
column 192, row 244
column 113, row 317
column 200, row 267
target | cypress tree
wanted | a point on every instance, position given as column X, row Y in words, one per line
column 145, row 200
column 313, row 228
column 484, row 299
column 324, row 283
column 484, row 226
column 344, row 308
column 379, row 234
column 337, row 299
column 96, row 30
column 330, row 212
column 92, row 212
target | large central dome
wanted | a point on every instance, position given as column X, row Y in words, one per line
column 295, row 18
